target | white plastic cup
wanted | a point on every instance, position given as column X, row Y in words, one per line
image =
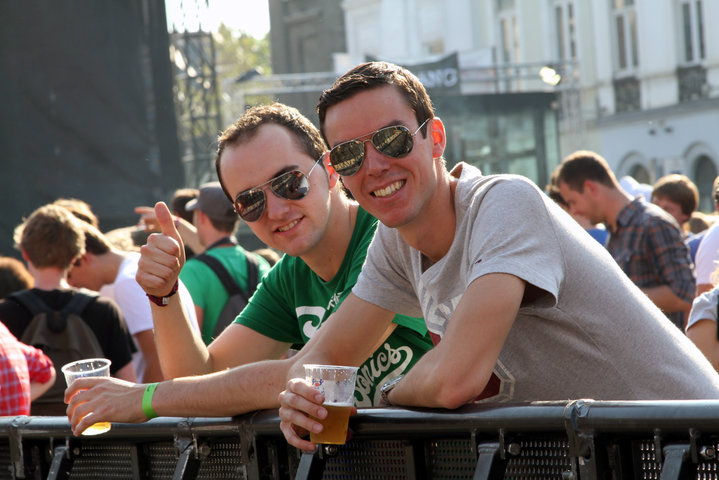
column 90, row 367
column 337, row 385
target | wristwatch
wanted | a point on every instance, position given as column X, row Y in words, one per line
column 164, row 301
column 387, row 387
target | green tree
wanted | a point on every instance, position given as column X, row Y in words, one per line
column 238, row 54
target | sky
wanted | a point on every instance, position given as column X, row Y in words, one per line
column 250, row 16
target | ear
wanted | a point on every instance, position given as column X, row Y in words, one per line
column 438, row 135
column 332, row 174
column 591, row 187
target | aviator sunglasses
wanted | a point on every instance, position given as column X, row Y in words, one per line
column 292, row 185
column 395, row 141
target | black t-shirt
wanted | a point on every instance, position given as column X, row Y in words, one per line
column 103, row 317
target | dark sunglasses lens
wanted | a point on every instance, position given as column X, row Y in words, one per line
column 292, row 185
column 394, row 142
column 250, row 205
column 347, row 158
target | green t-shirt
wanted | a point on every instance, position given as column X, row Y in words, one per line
column 292, row 302
column 207, row 290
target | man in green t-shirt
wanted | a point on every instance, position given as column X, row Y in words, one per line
column 271, row 162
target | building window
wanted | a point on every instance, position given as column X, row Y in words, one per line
column 692, row 31
column 625, row 30
column 565, row 29
column 508, row 30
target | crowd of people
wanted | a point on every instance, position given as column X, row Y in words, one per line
column 444, row 286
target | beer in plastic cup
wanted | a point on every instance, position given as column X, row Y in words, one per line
column 337, row 384
column 91, row 367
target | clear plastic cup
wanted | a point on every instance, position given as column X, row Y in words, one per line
column 337, row 384
column 90, row 367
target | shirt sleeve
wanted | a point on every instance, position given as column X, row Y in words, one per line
column 38, row 364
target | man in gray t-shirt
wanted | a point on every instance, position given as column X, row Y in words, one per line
column 522, row 303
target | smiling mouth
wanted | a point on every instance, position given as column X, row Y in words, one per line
column 284, row 228
column 389, row 189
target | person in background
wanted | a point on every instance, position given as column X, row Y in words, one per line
column 645, row 240
column 80, row 208
column 215, row 219
column 51, row 240
column 597, row 232
column 13, row 276
column 183, row 220
column 25, row 374
column 111, row 271
column 678, row 196
column 702, row 324
column 707, row 257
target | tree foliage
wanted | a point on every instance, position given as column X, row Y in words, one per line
column 238, row 53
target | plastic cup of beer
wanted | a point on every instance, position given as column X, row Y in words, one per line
column 91, row 367
column 337, row 384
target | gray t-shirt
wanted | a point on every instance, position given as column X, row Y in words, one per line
column 591, row 333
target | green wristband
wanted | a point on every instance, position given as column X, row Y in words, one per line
column 147, row 400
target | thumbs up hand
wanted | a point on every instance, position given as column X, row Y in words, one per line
column 162, row 258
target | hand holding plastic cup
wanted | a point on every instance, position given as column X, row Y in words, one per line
column 337, row 385
column 90, row 367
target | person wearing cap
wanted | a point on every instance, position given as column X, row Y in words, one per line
column 214, row 217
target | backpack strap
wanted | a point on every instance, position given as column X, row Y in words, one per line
column 32, row 302
column 79, row 302
column 230, row 285
column 253, row 273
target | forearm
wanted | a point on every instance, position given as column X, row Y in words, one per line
column 664, row 298
column 179, row 347
column 230, row 392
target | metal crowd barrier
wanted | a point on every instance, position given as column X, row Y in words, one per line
column 574, row 440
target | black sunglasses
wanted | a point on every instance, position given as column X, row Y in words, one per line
column 396, row 142
column 292, row 185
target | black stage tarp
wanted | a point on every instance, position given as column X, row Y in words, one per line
column 86, row 108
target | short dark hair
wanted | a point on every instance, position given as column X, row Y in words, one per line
column 371, row 75
column 584, row 165
column 680, row 190
column 247, row 125
column 179, row 200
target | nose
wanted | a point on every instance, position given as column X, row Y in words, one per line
column 374, row 161
column 275, row 207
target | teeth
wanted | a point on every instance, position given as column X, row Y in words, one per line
column 284, row 228
column 388, row 190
